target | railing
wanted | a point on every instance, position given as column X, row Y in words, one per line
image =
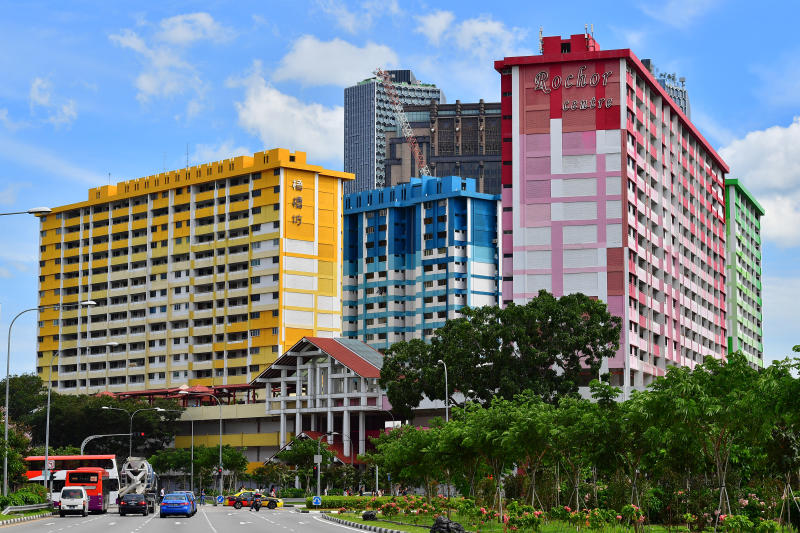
column 31, row 507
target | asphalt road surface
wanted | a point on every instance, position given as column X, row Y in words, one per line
column 209, row 519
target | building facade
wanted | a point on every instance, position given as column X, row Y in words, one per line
column 200, row 276
column 610, row 190
column 743, row 217
column 417, row 253
column 460, row 139
column 367, row 115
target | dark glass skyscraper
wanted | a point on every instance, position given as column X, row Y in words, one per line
column 367, row 115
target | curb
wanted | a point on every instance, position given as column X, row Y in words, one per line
column 377, row 529
column 25, row 518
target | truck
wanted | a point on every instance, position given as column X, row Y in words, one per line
column 138, row 477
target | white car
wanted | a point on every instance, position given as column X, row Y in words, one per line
column 74, row 500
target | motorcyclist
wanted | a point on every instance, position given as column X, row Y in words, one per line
column 256, row 502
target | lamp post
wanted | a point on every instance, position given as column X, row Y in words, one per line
column 130, row 427
column 47, row 426
column 446, row 403
column 8, row 375
column 220, row 429
column 319, row 454
column 31, row 211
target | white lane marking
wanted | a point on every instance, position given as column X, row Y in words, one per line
column 111, row 523
column 242, row 523
column 50, row 524
column 209, row 522
column 335, row 524
column 177, row 523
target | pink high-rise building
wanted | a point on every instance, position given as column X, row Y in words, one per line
column 608, row 189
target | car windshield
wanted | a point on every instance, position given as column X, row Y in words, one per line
column 133, row 498
column 71, row 493
column 175, row 498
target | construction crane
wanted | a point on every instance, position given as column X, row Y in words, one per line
column 411, row 139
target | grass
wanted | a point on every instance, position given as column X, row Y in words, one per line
column 418, row 524
column 43, row 512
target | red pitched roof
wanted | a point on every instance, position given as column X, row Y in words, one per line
column 346, row 356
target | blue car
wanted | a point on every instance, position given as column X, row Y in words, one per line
column 176, row 504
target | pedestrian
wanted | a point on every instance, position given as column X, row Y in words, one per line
column 272, row 492
column 161, row 495
column 202, row 496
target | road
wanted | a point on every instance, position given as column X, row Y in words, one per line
column 209, row 519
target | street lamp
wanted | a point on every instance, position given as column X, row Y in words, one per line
column 31, row 211
column 186, row 392
column 130, row 427
column 446, row 403
column 8, row 374
column 319, row 454
column 46, row 469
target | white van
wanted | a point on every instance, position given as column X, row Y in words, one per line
column 74, row 500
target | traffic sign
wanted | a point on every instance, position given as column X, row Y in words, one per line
column 51, row 464
column 316, row 501
column 389, row 477
column 220, row 499
column 317, row 458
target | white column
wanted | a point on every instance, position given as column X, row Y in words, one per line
column 362, row 425
column 283, row 430
column 346, row 432
column 330, row 419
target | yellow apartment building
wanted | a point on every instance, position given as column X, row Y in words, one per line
column 200, row 276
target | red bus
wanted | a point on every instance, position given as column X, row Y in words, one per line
column 96, row 484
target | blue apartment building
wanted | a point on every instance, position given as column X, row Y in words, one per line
column 414, row 255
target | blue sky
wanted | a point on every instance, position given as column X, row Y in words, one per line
column 97, row 88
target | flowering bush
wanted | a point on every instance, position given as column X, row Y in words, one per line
column 633, row 516
column 389, row 509
column 767, row 526
column 735, row 523
column 560, row 513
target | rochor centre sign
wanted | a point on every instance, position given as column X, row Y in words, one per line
column 543, row 82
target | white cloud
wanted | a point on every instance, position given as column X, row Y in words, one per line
column 59, row 112
column 283, row 121
column 5, row 273
column 361, row 19
column 186, row 29
column 678, row 13
column 780, row 316
column 336, row 62
column 8, row 195
column 40, row 92
column 485, row 37
column 768, row 163
column 767, row 160
column 6, row 121
column 434, row 25
column 464, row 60
column 205, row 153
column 64, row 114
column 165, row 71
column 29, row 156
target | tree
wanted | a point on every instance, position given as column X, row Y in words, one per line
column 407, row 454
column 545, row 346
column 705, row 408
column 75, row 417
column 301, row 455
column 27, row 393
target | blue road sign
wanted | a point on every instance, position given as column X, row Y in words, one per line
column 220, row 499
column 316, row 500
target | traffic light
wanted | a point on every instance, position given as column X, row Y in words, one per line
column 219, row 470
column 315, row 469
column 141, row 433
